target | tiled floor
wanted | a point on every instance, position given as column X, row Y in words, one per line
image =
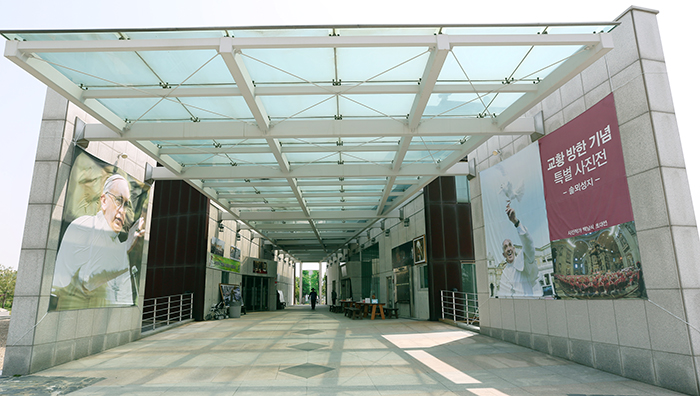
column 302, row 352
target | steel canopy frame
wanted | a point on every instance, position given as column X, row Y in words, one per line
column 294, row 203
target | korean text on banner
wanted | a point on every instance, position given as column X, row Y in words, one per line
column 584, row 174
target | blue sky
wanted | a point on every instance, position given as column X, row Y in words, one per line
column 22, row 96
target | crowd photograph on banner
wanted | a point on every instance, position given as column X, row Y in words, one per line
column 601, row 264
column 101, row 239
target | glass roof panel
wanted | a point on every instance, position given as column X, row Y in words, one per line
column 333, row 188
column 381, row 64
column 190, row 67
column 427, row 141
column 284, row 201
column 299, row 106
column 329, row 141
column 373, row 156
column 455, row 104
column 147, row 109
column 252, row 190
column 100, row 69
column 246, row 200
column 543, row 60
column 348, row 199
column 401, row 187
column 341, row 207
column 209, row 143
column 229, row 107
column 297, row 65
column 257, row 158
column 470, row 60
column 310, row 158
column 423, row 156
column 183, row 143
column 375, row 105
column 352, row 188
column 372, row 140
column 500, row 102
column 197, row 159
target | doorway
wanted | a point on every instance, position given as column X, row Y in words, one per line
column 255, row 293
column 345, row 289
column 390, row 292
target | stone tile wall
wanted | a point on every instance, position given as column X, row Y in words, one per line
column 38, row 339
column 644, row 340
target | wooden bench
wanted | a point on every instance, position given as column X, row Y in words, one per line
column 391, row 311
column 354, row 313
column 336, row 308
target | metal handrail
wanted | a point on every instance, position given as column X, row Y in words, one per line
column 460, row 307
column 164, row 311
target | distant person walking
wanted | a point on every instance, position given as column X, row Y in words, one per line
column 334, row 296
column 312, row 297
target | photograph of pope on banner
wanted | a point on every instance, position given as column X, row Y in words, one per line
column 101, row 240
column 515, row 217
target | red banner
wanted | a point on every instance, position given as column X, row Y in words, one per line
column 583, row 169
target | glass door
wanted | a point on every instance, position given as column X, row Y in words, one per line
column 255, row 293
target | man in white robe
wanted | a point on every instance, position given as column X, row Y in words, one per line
column 520, row 275
column 92, row 265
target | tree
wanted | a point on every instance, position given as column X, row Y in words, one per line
column 296, row 288
column 8, row 278
column 309, row 280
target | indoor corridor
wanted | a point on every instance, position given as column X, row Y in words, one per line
column 298, row 351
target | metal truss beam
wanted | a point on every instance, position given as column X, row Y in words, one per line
column 309, row 205
column 308, row 171
column 239, row 72
column 210, row 149
column 292, row 129
column 305, row 227
column 243, row 43
column 348, row 181
column 428, row 80
column 307, row 195
column 299, row 90
column 316, row 215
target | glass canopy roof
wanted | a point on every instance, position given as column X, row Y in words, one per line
column 309, row 135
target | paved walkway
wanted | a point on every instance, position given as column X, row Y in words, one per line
column 302, row 352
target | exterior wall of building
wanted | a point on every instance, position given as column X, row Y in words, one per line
column 285, row 279
column 382, row 267
column 644, row 340
column 449, row 240
column 333, row 275
column 280, row 273
column 178, row 245
column 39, row 339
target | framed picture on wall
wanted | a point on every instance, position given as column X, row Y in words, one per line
column 230, row 293
column 419, row 250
